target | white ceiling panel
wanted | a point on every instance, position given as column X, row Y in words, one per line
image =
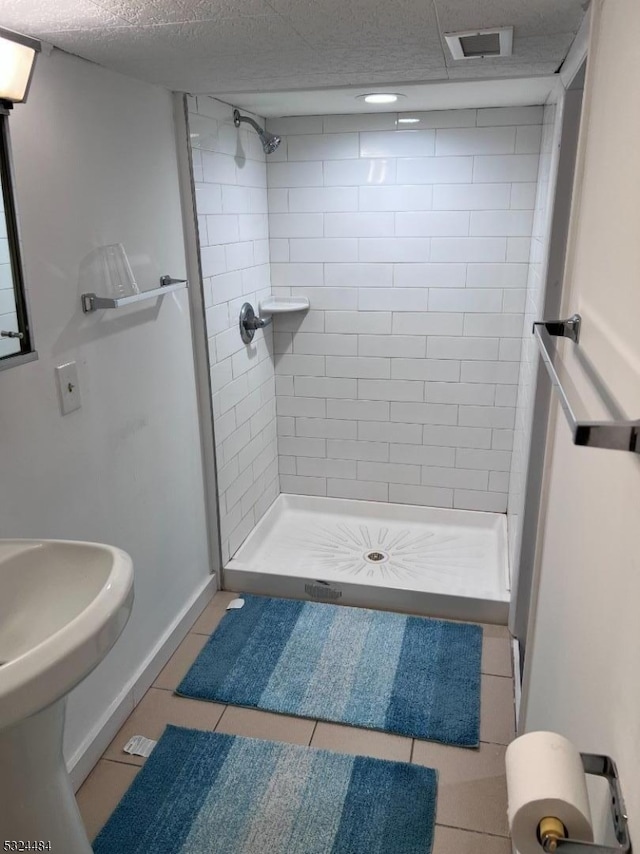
column 514, row 71
column 141, row 12
column 342, row 60
column 529, row 17
column 363, row 23
column 181, row 45
column 34, row 17
column 214, row 46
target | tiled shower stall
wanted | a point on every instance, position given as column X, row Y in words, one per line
column 412, row 241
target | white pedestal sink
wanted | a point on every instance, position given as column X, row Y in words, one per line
column 63, row 605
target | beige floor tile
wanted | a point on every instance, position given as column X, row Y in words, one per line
column 101, row 792
column 208, row 621
column 365, row 742
column 497, row 710
column 181, row 660
column 450, row 840
column 156, row 710
column 496, row 631
column 472, row 788
column 496, row 652
column 254, row 723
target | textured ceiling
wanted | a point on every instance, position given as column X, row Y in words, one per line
column 214, row 46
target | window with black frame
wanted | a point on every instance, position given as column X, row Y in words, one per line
column 17, row 59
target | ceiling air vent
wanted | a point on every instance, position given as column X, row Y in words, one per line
column 478, row 44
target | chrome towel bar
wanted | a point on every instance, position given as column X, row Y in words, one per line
column 613, row 435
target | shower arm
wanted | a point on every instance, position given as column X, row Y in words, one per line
column 237, row 119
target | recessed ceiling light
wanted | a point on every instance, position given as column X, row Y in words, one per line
column 380, row 98
column 408, row 121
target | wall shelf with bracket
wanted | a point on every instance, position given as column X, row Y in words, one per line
column 93, row 302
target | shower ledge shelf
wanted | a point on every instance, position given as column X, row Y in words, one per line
column 283, row 305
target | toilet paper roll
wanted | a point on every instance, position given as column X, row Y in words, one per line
column 545, row 777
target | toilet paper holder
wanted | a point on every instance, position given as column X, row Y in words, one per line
column 599, row 766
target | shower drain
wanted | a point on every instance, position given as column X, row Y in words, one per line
column 376, row 557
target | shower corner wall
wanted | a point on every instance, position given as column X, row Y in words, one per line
column 230, row 181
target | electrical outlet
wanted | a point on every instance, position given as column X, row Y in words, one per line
column 68, row 387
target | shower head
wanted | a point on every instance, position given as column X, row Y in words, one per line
column 269, row 140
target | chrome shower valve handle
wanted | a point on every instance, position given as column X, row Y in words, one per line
column 250, row 321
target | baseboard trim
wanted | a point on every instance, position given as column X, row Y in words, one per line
column 87, row 755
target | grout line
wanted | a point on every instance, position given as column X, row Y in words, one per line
column 115, row 762
column 215, row 729
column 494, row 743
column 477, row 832
column 124, row 761
column 499, row 675
column 442, row 744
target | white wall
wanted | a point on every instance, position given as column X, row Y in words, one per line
column 230, row 177
column 96, row 164
column 582, row 657
column 413, row 246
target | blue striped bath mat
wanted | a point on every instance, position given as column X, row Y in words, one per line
column 206, row 793
column 409, row 675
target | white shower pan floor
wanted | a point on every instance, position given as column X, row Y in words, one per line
column 422, row 560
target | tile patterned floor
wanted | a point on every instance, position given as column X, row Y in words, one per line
column 472, row 798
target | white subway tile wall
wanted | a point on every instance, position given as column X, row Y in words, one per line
column 533, row 310
column 413, row 246
column 231, row 201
